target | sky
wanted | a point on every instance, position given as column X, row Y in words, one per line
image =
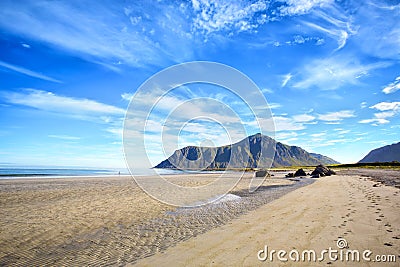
column 329, row 71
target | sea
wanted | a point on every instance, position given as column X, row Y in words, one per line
column 60, row 172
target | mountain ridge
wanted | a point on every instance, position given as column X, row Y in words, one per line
column 255, row 151
column 387, row 153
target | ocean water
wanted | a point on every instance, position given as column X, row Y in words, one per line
column 22, row 172
column 58, row 172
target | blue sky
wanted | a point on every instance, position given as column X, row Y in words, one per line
column 330, row 71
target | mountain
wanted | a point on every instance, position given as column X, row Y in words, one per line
column 256, row 151
column 325, row 159
column 383, row 154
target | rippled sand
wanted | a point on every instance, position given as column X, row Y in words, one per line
column 110, row 220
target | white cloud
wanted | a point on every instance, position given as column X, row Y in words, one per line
column 214, row 16
column 332, row 20
column 266, row 91
column 25, row 45
column 274, row 105
column 298, row 39
column 343, row 131
column 336, row 116
column 374, row 121
column 363, row 104
column 385, row 114
column 300, row 7
column 27, row 72
column 332, row 73
column 127, row 96
column 318, row 134
column 380, row 32
column 340, row 35
column 286, row 79
column 103, row 33
column 51, row 102
column 384, row 106
column 287, row 124
column 303, row 118
column 64, row 137
column 388, row 110
column 392, row 87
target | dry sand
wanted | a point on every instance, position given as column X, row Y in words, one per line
column 364, row 213
column 110, row 221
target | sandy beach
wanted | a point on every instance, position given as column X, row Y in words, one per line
column 363, row 212
column 110, row 221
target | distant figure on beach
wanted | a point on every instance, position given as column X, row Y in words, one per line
column 119, row 173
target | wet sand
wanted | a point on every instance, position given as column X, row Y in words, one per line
column 389, row 177
column 109, row 220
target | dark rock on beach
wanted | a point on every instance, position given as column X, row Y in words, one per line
column 262, row 173
column 300, row 172
column 322, row 170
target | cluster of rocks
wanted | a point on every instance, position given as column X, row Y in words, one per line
column 319, row 171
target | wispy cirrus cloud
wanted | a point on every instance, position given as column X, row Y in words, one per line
column 64, row 137
column 286, row 79
column 336, row 116
column 103, row 33
column 377, row 19
column 303, row 118
column 127, row 96
column 287, row 124
column 145, row 33
column 333, row 22
column 28, row 72
column 334, row 72
column 48, row 101
column 340, row 35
